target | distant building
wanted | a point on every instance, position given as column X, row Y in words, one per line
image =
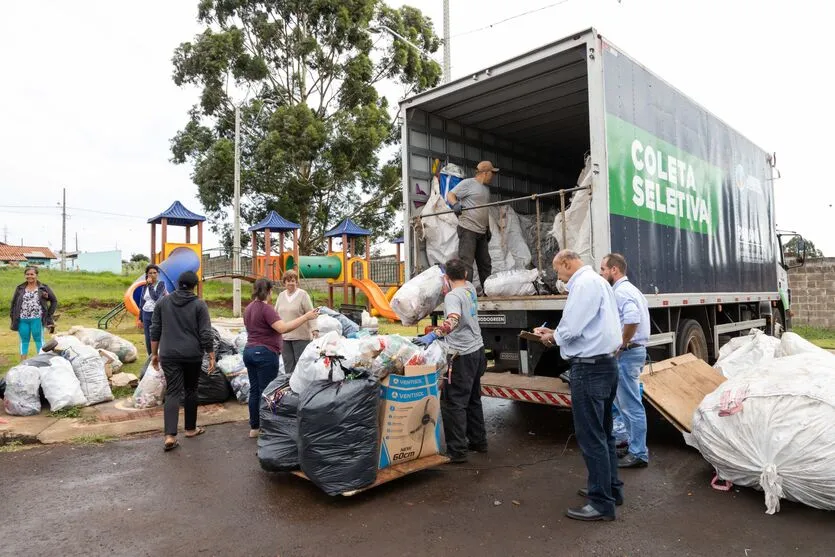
column 20, row 256
column 92, row 262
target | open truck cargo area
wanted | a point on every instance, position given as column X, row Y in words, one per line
column 686, row 199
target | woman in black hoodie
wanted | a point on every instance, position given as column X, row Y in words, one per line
column 33, row 308
column 181, row 332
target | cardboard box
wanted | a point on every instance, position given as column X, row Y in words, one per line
column 410, row 416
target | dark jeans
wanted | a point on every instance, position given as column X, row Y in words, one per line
column 461, row 404
column 291, row 352
column 262, row 366
column 146, row 316
column 593, row 390
column 473, row 246
column 180, row 376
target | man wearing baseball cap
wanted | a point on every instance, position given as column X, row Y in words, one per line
column 473, row 223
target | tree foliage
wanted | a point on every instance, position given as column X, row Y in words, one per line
column 306, row 74
column 793, row 248
column 138, row 257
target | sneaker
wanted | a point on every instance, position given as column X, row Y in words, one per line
column 253, row 433
column 457, row 459
column 477, row 448
column 632, row 461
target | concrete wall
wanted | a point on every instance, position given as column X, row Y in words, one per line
column 813, row 293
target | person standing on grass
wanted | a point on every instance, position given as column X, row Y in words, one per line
column 264, row 328
column 292, row 303
column 32, row 310
column 181, row 332
column 152, row 291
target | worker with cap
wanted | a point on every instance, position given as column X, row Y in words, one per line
column 474, row 223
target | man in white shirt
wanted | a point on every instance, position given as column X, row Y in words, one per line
column 588, row 335
column 633, row 311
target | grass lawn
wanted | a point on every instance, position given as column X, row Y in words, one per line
column 85, row 297
column 825, row 338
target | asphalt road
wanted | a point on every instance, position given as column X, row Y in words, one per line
column 210, row 497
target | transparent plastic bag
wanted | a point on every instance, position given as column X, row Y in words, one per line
column 21, row 397
column 420, row 296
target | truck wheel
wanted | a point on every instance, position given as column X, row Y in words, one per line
column 777, row 327
column 691, row 338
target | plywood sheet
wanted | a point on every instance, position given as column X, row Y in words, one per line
column 397, row 471
column 677, row 386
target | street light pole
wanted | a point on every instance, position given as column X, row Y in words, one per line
column 236, row 233
column 447, row 54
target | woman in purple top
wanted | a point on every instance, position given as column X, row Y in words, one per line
column 264, row 328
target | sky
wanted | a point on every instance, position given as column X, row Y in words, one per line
column 87, row 102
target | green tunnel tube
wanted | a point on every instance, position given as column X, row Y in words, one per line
column 316, row 266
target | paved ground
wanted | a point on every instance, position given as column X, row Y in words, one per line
column 211, row 498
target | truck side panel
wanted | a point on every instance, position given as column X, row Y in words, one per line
column 690, row 200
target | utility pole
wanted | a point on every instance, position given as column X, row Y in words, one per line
column 236, row 245
column 64, row 233
column 447, row 54
column 5, row 233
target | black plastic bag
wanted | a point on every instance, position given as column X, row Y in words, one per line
column 212, row 389
column 338, row 437
column 2, row 387
column 221, row 346
column 278, row 449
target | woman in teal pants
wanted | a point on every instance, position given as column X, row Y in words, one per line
column 33, row 308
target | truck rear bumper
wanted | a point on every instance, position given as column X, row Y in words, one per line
column 539, row 390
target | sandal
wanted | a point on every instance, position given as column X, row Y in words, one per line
column 198, row 431
column 171, row 445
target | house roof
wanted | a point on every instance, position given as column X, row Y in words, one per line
column 347, row 227
column 177, row 215
column 23, row 253
column 274, row 223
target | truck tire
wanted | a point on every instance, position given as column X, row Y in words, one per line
column 691, row 338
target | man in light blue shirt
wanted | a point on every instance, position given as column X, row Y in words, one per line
column 588, row 336
column 632, row 354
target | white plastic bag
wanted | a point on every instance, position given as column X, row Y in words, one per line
column 512, row 283
column 770, row 427
column 420, row 296
column 112, row 363
column 60, row 385
column 746, row 352
column 440, row 233
column 507, row 247
column 577, row 219
column 151, row 389
column 96, row 338
column 326, row 324
column 88, row 367
column 240, row 341
column 792, row 344
column 21, row 398
column 232, row 365
column 313, row 364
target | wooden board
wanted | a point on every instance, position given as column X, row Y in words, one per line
column 534, row 383
column 393, row 472
column 677, row 386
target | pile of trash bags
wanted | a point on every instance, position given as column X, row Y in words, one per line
column 324, row 419
column 124, row 349
column 514, row 283
column 769, row 426
column 49, row 372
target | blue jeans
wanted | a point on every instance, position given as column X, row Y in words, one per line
column 262, row 366
column 146, row 325
column 593, row 390
column 630, row 405
column 30, row 328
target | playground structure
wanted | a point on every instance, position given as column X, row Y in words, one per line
column 345, row 268
column 174, row 258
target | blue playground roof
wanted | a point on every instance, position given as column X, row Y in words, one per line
column 397, row 240
column 348, row 228
column 177, row 215
column 274, row 223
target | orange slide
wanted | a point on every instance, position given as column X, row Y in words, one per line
column 376, row 298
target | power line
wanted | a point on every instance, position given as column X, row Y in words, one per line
column 471, row 31
column 58, row 207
